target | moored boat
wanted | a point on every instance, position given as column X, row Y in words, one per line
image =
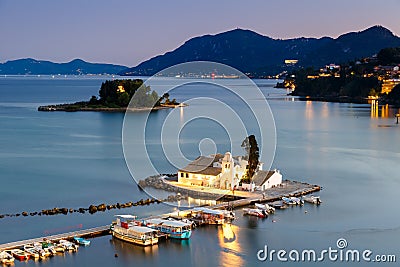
column 265, row 207
column 255, row 212
column 6, row 258
column 174, row 229
column 34, row 254
column 82, row 241
column 69, row 246
column 279, row 204
column 292, row 200
column 312, row 199
column 208, row 216
column 43, row 252
column 126, row 228
column 20, row 255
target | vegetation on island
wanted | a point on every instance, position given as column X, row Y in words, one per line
column 252, row 155
column 116, row 95
column 354, row 81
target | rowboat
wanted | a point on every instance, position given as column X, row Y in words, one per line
column 174, row 229
column 6, row 258
column 82, row 241
column 255, row 212
column 127, row 229
column 20, row 255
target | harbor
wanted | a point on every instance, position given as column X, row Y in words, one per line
column 160, row 227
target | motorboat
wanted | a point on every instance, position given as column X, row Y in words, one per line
column 265, row 207
column 312, row 199
column 69, row 246
column 34, row 254
column 82, row 241
column 292, row 200
column 20, row 254
column 6, row 258
column 255, row 212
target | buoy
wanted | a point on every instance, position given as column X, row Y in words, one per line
column 116, row 255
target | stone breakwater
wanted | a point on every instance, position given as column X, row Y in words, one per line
column 93, row 208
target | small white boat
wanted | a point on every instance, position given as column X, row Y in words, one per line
column 292, row 200
column 69, row 246
column 255, row 212
column 265, row 207
column 6, row 258
column 312, row 199
column 32, row 252
column 43, row 252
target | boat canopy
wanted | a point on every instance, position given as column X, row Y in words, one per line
column 126, row 216
column 168, row 223
column 141, row 229
column 210, row 211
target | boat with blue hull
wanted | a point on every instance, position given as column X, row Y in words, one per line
column 174, row 229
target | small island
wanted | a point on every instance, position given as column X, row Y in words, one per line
column 116, row 96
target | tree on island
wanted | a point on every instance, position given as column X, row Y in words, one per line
column 118, row 93
column 252, row 155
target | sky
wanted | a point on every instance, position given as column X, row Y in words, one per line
column 128, row 32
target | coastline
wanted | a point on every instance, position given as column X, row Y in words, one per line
column 334, row 99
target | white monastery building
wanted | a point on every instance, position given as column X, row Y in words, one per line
column 225, row 172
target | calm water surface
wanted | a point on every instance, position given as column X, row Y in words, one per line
column 75, row 159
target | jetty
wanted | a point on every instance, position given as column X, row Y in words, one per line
column 233, row 199
column 92, row 232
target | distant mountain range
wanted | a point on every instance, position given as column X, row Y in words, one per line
column 75, row 67
column 244, row 50
column 260, row 55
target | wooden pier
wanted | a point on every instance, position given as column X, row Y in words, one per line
column 92, row 232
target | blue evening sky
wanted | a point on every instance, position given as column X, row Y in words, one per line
column 128, row 32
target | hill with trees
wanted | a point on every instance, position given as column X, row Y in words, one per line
column 260, row 55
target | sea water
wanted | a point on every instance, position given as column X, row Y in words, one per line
column 62, row 159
